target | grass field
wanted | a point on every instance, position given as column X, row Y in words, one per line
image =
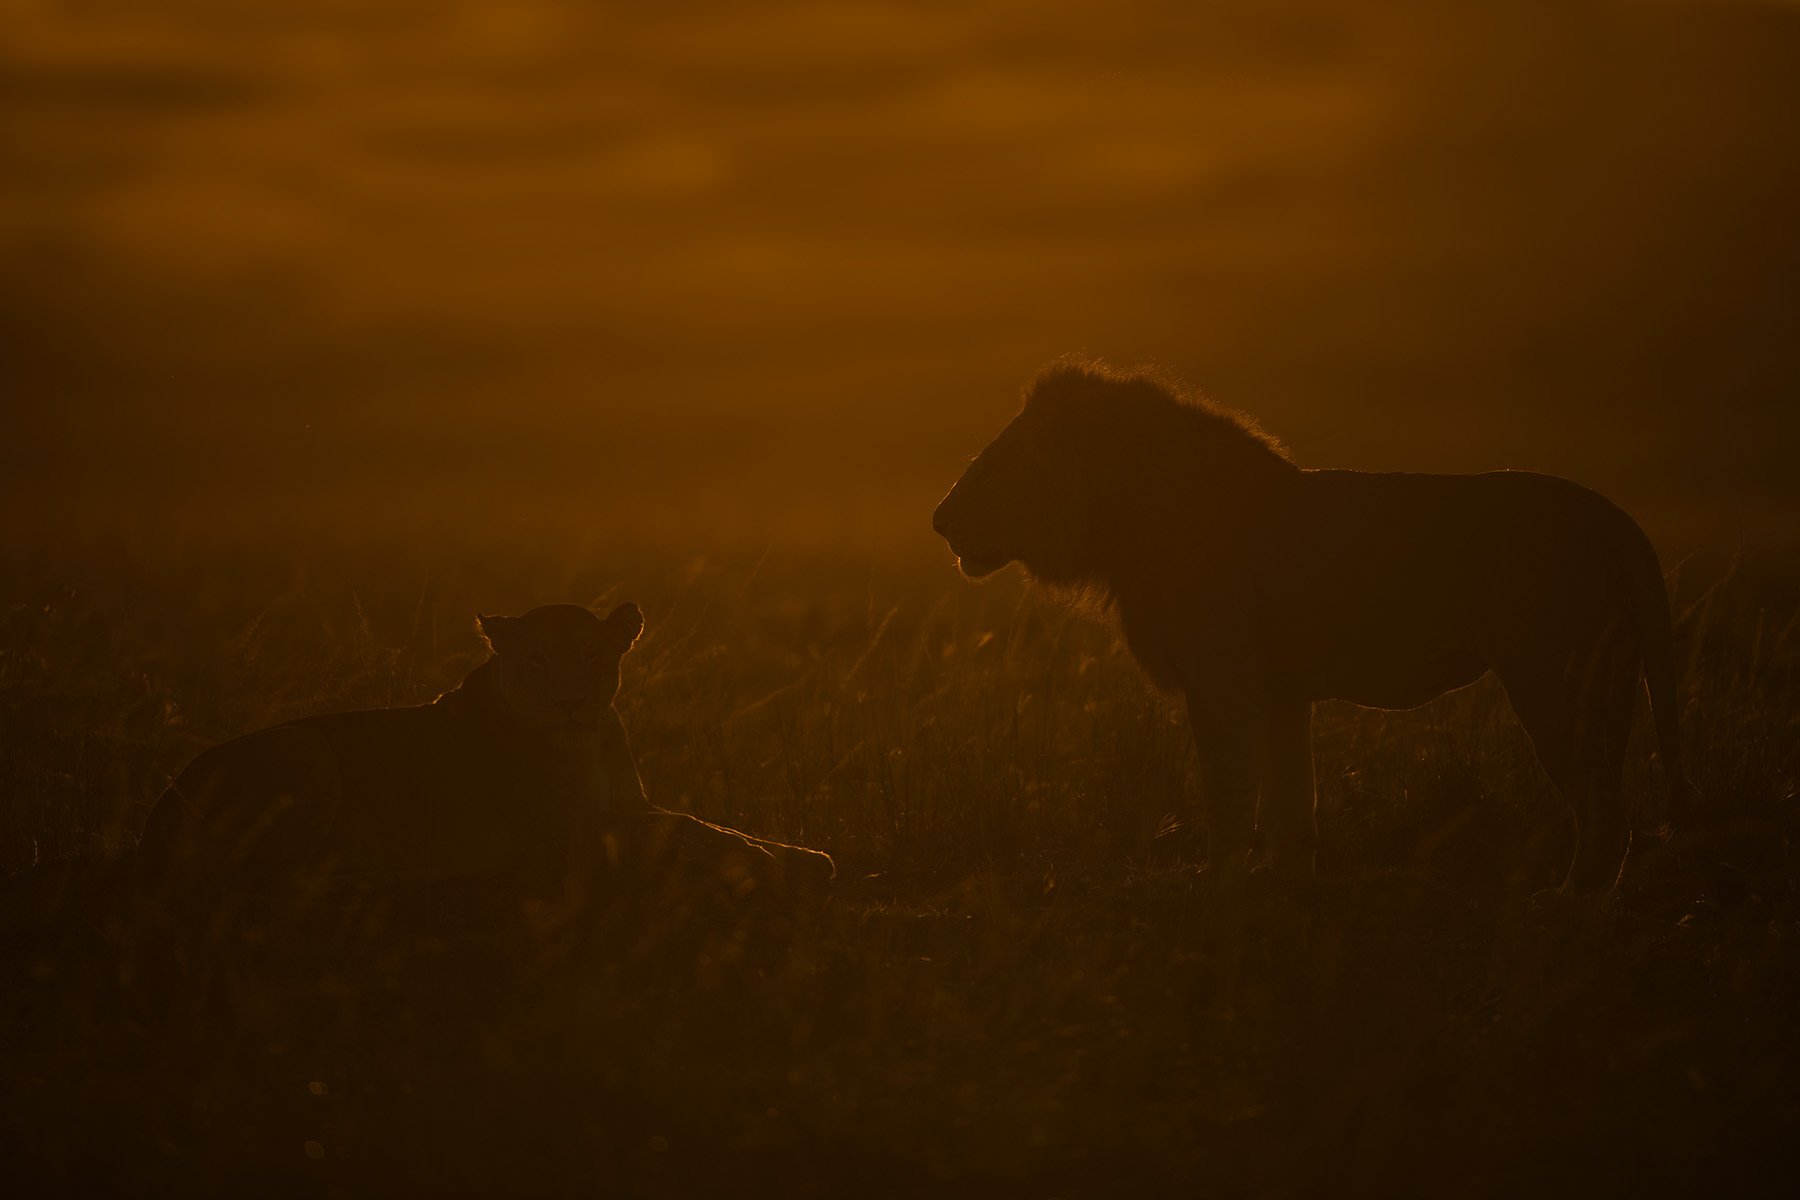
column 1019, row 986
column 325, row 326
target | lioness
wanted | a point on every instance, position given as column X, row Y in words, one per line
column 1255, row 588
column 524, row 768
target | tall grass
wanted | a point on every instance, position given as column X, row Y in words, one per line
column 1019, row 986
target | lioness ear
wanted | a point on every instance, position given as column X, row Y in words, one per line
column 494, row 631
column 624, row 624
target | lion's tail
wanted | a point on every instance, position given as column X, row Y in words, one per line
column 1656, row 638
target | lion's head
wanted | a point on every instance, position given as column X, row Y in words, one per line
column 1030, row 497
column 1093, row 454
column 1019, row 501
column 558, row 665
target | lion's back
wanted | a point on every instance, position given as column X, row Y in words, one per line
column 1485, row 536
column 1391, row 588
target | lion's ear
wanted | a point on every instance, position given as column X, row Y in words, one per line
column 495, row 631
column 623, row 625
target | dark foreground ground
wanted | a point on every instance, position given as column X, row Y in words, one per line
column 1019, row 986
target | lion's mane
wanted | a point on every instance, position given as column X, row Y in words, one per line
column 1183, row 491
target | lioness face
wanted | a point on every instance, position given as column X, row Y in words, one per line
column 559, row 664
column 1016, row 503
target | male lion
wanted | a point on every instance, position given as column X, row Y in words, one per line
column 524, row 770
column 1255, row 588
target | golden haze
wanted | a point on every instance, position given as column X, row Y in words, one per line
column 767, row 272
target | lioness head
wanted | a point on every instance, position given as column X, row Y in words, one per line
column 558, row 665
column 1029, row 496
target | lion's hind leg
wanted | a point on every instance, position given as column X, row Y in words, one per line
column 1578, row 711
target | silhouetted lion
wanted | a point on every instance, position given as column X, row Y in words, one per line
column 524, row 770
column 1255, row 588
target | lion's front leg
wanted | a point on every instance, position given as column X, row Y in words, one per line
column 1285, row 813
column 1229, row 743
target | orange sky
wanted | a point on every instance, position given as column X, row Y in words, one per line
column 724, row 238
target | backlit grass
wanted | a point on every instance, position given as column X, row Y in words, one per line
column 1020, row 985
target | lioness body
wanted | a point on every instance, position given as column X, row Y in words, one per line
column 1256, row 588
column 510, row 772
column 436, row 791
column 523, row 771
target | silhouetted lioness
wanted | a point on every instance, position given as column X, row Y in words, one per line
column 524, row 771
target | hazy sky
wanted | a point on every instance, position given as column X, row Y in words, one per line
column 332, row 239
